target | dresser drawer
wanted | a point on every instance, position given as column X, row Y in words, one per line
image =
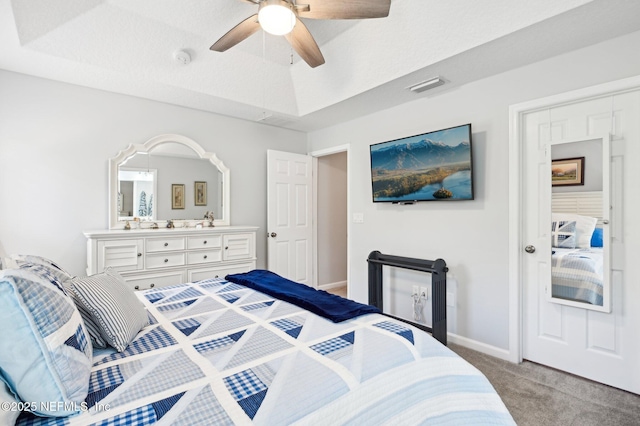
column 143, row 282
column 194, row 275
column 164, row 260
column 204, row 256
column 205, row 241
column 164, row 244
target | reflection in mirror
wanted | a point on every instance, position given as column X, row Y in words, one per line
column 142, row 178
column 136, row 190
column 174, row 167
column 579, row 228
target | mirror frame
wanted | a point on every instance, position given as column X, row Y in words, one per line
column 604, row 222
column 146, row 148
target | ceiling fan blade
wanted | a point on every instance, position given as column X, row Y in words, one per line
column 302, row 42
column 343, row 9
column 238, row 33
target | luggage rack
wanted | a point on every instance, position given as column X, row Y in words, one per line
column 438, row 270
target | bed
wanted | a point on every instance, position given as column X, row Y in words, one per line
column 577, row 254
column 219, row 352
column 577, row 274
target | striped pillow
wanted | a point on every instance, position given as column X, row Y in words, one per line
column 93, row 329
column 106, row 303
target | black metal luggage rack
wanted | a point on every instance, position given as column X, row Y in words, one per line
column 438, row 270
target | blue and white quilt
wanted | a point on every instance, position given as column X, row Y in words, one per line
column 218, row 353
column 577, row 274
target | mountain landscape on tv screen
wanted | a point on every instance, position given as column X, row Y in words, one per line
column 424, row 170
column 420, row 155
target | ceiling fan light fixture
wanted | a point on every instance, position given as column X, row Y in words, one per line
column 276, row 17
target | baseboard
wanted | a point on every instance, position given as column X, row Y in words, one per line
column 333, row 285
column 479, row 346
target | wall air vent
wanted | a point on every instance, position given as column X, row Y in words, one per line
column 426, row 85
column 274, row 120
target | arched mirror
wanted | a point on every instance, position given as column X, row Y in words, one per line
column 580, row 272
column 169, row 177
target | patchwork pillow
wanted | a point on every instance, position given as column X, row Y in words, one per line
column 8, row 415
column 596, row 238
column 585, row 226
column 52, row 268
column 108, row 303
column 563, row 234
column 44, row 350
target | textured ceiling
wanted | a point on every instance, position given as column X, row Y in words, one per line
column 127, row 47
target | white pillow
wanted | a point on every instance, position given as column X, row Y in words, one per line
column 585, row 225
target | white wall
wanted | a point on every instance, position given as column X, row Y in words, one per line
column 55, row 142
column 472, row 237
column 331, row 217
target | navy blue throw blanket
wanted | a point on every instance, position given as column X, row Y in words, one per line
column 319, row 302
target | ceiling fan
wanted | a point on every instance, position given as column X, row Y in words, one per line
column 282, row 17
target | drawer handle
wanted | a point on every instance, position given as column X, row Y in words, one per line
column 205, row 242
column 139, row 254
column 226, row 248
column 205, row 256
column 152, row 285
column 166, row 244
column 137, row 287
column 166, row 260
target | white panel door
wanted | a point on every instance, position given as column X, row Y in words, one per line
column 289, row 218
column 602, row 346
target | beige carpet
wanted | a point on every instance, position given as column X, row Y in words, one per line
column 539, row 396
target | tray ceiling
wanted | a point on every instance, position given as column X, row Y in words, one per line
column 128, row 47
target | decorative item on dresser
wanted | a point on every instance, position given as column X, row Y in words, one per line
column 160, row 257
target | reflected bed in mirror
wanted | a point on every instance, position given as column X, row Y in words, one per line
column 141, row 178
column 579, row 233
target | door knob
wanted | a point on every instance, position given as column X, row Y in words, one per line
column 529, row 249
column 273, row 235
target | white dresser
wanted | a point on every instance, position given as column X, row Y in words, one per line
column 149, row 258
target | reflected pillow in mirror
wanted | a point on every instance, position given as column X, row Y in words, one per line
column 596, row 238
column 584, row 227
column 113, row 307
column 563, row 234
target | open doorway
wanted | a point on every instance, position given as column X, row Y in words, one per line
column 331, row 224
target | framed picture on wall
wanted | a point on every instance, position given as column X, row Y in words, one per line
column 200, row 193
column 567, row 171
column 177, row 196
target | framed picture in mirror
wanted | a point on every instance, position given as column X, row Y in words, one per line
column 200, row 193
column 567, row 171
column 177, row 196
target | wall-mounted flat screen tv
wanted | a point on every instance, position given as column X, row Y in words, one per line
column 433, row 166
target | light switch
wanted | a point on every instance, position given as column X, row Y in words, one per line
column 358, row 218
